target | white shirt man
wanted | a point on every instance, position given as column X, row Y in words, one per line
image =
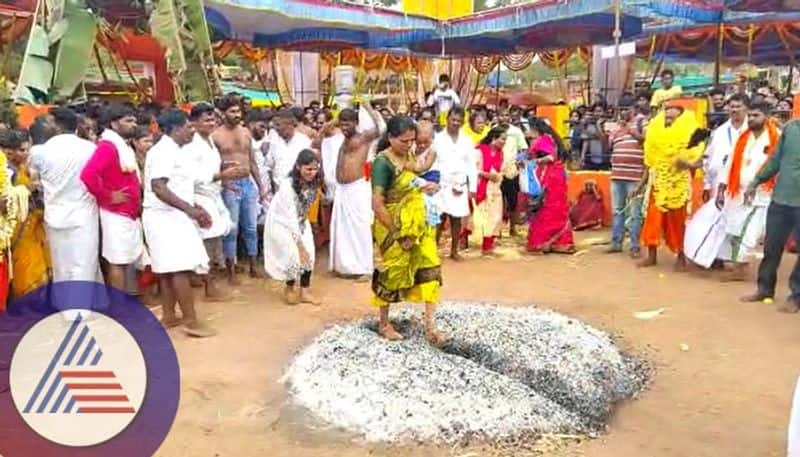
column 745, row 223
column 172, row 236
column 705, row 232
column 207, row 191
column 719, row 150
column 444, row 99
column 455, row 160
column 283, row 154
column 70, row 213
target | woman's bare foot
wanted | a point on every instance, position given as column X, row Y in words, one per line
column 563, row 250
column 387, row 331
column 290, row 293
column 170, row 322
column 215, row 294
column 362, row 278
column 456, row 257
column 307, row 297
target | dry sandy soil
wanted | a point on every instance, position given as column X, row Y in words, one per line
column 723, row 386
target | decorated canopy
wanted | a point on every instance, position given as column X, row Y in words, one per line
column 763, row 5
column 767, row 43
column 314, row 24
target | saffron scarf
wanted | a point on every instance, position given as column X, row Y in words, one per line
column 492, row 160
column 734, row 186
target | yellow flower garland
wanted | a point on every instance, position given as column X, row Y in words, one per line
column 16, row 206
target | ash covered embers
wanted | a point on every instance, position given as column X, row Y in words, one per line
column 505, row 372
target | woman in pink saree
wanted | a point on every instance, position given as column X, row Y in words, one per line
column 549, row 228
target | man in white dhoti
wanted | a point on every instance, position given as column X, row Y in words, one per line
column 112, row 177
column 284, row 147
column 70, row 211
column 208, row 190
column 455, row 159
column 705, row 231
column 745, row 221
column 171, row 221
column 258, row 125
column 351, row 221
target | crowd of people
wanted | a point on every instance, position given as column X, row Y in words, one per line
column 160, row 202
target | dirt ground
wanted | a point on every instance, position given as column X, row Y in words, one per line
column 723, row 386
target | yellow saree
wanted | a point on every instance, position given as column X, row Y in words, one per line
column 403, row 273
column 30, row 255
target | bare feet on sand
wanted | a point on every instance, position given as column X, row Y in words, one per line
column 170, row 322
column 199, row 329
column 307, row 297
column 292, row 297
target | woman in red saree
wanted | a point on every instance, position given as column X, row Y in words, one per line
column 549, row 228
column 487, row 218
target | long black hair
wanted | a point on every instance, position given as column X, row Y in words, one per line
column 395, row 127
column 543, row 128
column 493, row 134
column 306, row 157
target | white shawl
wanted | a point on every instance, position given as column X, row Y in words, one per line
column 127, row 158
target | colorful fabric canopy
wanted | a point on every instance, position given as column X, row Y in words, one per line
column 314, row 24
column 763, row 5
column 769, row 43
column 320, row 25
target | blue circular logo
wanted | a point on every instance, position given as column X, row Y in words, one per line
column 84, row 368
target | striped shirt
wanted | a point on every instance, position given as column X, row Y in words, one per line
column 627, row 156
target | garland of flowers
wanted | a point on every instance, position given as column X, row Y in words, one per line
column 8, row 221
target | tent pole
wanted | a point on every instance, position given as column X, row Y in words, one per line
column 791, row 77
column 617, row 39
column 718, row 60
column 589, row 64
column 497, row 87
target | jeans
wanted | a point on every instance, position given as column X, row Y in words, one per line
column 243, row 205
column 620, row 191
column 782, row 220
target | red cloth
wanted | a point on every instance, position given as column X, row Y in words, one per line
column 588, row 210
column 488, row 244
column 550, row 227
column 4, row 284
column 103, row 175
column 791, row 245
column 146, row 278
column 491, row 160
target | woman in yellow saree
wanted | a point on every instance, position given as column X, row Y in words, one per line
column 30, row 256
column 407, row 260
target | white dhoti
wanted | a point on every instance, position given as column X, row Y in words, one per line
column 705, row 235
column 123, row 240
column 73, row 252
column 174, row 242
column 351, row 229
column 455, row 199
column 745, row 228
column 213, row 204
column 282, row 230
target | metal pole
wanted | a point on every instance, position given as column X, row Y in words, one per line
column 497, row 88
column 718, row 60
column 617, row 38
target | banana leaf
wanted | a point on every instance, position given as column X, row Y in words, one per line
column 74, row 50
column 165, row 27
column 36, row 74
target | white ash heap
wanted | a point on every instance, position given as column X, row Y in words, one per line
column 505, row 373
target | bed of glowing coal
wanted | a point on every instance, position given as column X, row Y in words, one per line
column 505, row 373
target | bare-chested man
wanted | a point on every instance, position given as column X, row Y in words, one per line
column 351, row 221
column 243, row 193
